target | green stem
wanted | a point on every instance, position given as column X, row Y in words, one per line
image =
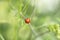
column 2, row 37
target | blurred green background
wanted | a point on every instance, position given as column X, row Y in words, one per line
column 44, row 14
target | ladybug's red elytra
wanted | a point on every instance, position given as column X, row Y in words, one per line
column 27, row 20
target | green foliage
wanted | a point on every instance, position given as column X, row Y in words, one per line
column 13, row 27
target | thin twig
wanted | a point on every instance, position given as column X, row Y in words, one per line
column 32, row 29
column 17, row 11
column 22, row 15
column 26, row 5
column 33, row 13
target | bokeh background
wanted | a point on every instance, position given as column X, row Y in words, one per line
column 44, row 14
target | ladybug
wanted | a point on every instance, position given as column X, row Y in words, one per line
column 27, row 20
